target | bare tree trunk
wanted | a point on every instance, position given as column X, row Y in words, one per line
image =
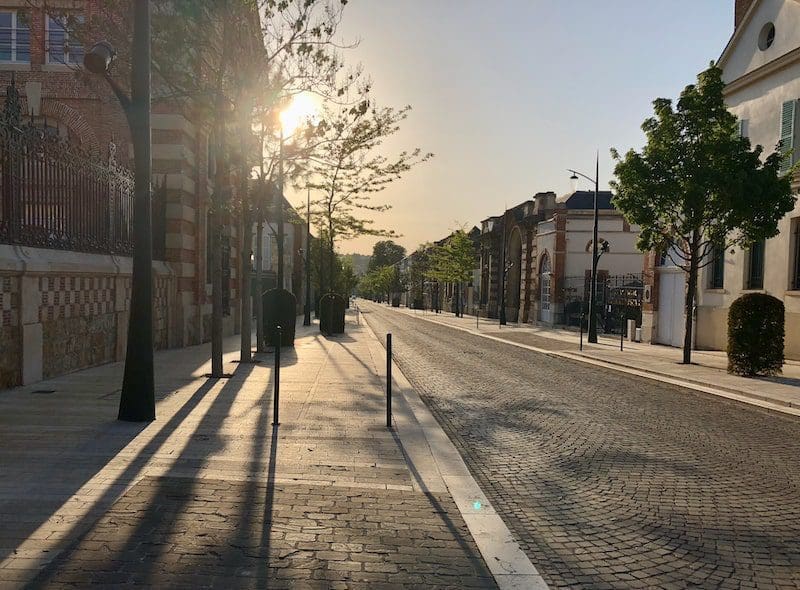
column 245, row 354
column 691, row 290
column 258, row 287
column 216, row 289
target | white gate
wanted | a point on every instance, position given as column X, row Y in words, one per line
column 671, row 300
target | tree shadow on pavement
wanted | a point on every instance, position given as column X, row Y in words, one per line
column 154, row 515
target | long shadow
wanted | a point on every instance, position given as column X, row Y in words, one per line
column 128, row 433
column 793, row 381
column 153, row 514
column 269, row 502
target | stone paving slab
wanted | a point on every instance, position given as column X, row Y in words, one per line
column 74, row 476
column 176, row 532
column 708, row 368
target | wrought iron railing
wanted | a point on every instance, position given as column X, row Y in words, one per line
column 53, row 195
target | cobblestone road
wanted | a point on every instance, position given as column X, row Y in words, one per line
column 608, row 480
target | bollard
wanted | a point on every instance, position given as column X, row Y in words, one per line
column 388, row 380
column 277, row 382
column 621, row 330
column 581, row 345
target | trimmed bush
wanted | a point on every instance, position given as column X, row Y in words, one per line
column 331, row 319
column 280, row 307
column 755, row 335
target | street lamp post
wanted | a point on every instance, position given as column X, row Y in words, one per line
column 137, row 400
column 503, row 270
column 593, row 278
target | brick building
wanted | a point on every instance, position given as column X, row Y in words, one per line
column 544, row 246
column 65, row 310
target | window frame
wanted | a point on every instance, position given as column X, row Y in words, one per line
column 794, row 226
column 716, row 270
column 67, row 60
column 755, row 283
column 14, row 12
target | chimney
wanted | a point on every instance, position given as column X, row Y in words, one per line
column 742, row 6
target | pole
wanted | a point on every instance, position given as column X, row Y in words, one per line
column 593, row 286
column 581, row 341
column 277, row 382
column 503, row 275
column 259, row 263
column 137, row 400
column 621, row 328
column 307, row 310
column 279, row 205
column 389, row 380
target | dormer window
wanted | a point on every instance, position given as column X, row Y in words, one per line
column 766, row 37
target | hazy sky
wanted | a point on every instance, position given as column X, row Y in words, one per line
column 510, row 93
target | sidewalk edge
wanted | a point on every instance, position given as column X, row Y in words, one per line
column 508, row 564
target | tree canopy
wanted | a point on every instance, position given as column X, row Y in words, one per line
column 386, row 253
column 698, row 187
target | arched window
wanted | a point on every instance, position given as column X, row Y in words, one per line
column 544, row 281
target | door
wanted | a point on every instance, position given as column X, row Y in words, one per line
column 671, row 295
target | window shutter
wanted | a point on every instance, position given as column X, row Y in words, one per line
column 788, row 116
column 741, row 130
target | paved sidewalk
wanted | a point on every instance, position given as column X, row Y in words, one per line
column 708, row 371
column 211, row 495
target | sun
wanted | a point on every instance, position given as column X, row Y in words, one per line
column 302, row 108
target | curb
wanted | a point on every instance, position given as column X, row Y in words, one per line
column 508, row 564
column 740, row 396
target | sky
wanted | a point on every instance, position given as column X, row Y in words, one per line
column 508, row 94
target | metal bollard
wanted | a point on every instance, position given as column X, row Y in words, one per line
column 388, row 380
column 277, row 382
column 581, row 345
column 621, row 329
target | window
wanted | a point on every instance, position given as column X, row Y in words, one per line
column 796, row 254
column 545, row 274
column 788, row 134
column 60, row 49
column 755, row 266
column 717, row 269
column 766, row 37
column 15, row 37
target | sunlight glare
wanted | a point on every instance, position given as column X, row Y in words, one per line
column 302, row 108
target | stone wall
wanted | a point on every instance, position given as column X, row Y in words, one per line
column 64, row 311
column 10, row 353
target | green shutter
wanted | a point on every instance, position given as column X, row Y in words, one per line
column 787, row 132
column 741, row 127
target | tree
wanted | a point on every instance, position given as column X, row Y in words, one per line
column 418, row 272
column 231, row 63
column 348, row 279
column 348, row 169
column 386, row 253
column 697, row 188
column 453, row 261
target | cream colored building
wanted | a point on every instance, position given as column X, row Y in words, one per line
column 761, row 67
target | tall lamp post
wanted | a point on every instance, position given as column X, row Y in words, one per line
column 503, row 271
column 137, row 401
column 595, row 257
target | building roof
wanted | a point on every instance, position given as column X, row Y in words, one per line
column 585, row 200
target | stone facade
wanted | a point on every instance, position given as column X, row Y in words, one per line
column 76, row 321
column 64, row 311
column 763, row 91
column 544, row 244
